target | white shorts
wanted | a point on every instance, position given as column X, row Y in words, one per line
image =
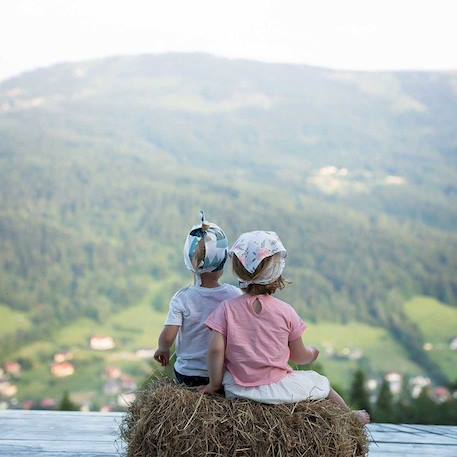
column 296, row 386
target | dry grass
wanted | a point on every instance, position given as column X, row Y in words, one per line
column 168, row 420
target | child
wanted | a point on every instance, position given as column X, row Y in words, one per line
column 256, row 334
column 205, row 253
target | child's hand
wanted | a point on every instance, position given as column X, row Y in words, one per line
column 162, row 356
column 208, row 389
column 314, row 353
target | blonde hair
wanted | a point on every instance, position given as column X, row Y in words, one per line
column 200, row 252
column 257, row 289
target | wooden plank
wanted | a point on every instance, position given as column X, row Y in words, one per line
column 71, row 434
column 417, row 439
column 107, row 433
column 12, row 413
column 411, row 450
column 55, row 454
column 59, row 426
column 63, row 429
column 30, row 447
column 446, row 430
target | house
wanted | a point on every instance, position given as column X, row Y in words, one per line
column 395, row 382
column 113, row 372
column 453, row 344
column 61, row 357
column 356, row 354
column 417, row 384
column 102, row 343
column 7, row 389
column 48, row 403
column 427, row 347
column 441, row 394
column 13, row 368
column 28, row 404
column 372, row 384
column 62, row 370
column 146, row 354
column 128, row 383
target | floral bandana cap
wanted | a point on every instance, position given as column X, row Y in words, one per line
column 216, row 247
column 252, row 247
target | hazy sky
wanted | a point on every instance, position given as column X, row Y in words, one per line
column 352, row 34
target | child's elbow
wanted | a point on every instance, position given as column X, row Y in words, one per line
column 299, row 360
column 216, row 351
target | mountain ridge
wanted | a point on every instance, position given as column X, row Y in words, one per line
column 104, row 165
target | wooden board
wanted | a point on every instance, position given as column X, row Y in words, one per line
column 76, row 434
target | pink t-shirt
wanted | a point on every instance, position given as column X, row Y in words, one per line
column 257, row 345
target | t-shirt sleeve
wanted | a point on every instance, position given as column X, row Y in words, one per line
column 217, row 320
column 296, row 325
column 175, row 311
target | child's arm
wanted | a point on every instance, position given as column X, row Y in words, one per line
column 301, row 354
column 216, row 357
column 166, row 340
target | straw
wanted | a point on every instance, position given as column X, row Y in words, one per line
column 170, row 420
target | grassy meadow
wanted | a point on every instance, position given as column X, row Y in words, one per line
column 343, row 348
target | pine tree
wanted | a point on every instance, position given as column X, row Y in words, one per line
column 358, row 394
column 66, row 404
column 384, row 406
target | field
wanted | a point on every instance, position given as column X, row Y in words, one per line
column 438, row 324
column 119, row 156
column 12, row 321
column 343, row 349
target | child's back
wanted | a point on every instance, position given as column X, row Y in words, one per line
column 257, row 340
column 255, row 335
column 205, row 253
column 189, row 309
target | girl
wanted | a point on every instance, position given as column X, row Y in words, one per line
column 256, row 334
column 205, row 253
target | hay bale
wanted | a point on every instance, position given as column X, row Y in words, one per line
column 169, row 420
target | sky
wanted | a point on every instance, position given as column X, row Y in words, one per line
column 345, row 34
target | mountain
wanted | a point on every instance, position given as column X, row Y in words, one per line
column 105, row 164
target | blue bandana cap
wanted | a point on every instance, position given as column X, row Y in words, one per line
column 216, row 247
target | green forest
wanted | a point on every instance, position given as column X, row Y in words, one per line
column 105, row 164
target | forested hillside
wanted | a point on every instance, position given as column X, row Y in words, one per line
column 105, row 164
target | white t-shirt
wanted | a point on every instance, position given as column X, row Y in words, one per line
column 189, row 308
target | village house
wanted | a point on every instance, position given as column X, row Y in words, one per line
column 62, row 370
column 113, row 372
column 13, row 368
column 48, row 403
column 28, row 404
column 427, row 347
column 372, row 384
column 7, row 389
column 395, row 382
column 102, row 343
column 417, row 384
column 146, row 354
column 453, row 344
column 441, row 394
column 63, row 357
